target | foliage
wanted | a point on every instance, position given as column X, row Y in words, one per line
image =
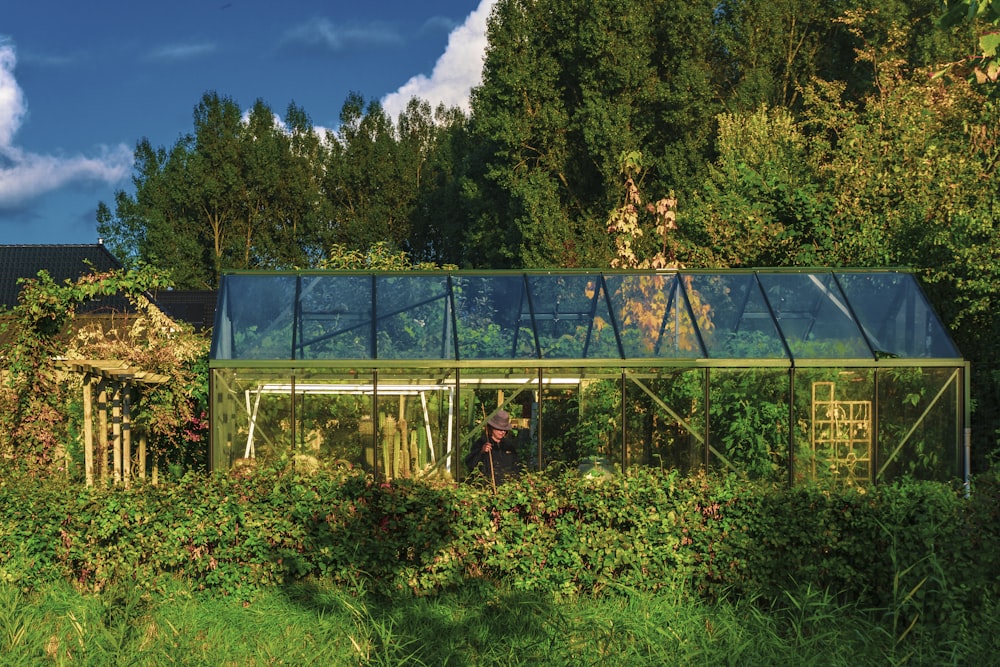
column 643, row 530
column 38, row 397
column 984, row 66
column 628, row 223
column 378, row 257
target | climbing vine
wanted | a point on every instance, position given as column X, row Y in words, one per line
column 37, row 399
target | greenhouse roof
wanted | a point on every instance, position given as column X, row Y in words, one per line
column 685, row 317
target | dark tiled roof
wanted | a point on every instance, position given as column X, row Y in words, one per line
column 196, row 307
column 69, row 262
column 62, row 262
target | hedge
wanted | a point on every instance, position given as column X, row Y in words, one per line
column 910, row 547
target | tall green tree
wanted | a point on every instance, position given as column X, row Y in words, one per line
column 438, row 221
column 238, row 193
column 568, row 87
column 372, row 173
column 763, row 203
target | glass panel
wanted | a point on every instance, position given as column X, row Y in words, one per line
column 251, row 416
column 581, row 417
column 639, row 303
column 414, row 318
column 225, row 419
column 834, row 434
column 335, row 317
column 602, row 342
column 737, row 323
column 665, row 418
column 654, row 318
column 488, row 318
column 918, row 430
column 748, row 425
column 562, row 310
column 813, row 316
column 895, row 315
column 414, row 424
column 334, row 418
column 256, row 318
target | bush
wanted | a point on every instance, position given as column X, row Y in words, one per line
column 920, row 551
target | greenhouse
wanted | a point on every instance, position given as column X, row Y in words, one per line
column 842, row 376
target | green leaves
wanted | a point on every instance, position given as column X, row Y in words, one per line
column 915, row 549
column 985, row 15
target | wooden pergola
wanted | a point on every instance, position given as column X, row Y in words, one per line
column 109, row 390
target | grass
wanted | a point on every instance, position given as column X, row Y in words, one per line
column 314, row 624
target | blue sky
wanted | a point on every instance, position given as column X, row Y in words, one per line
column 82, row 82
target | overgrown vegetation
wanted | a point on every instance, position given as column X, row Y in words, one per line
column 315, row 623
column 40, row 404
column 911, row 560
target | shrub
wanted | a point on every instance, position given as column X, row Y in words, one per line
column 920, row 551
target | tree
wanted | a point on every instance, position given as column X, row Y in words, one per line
column 762, row 203
column 984, row 65
column 567, row 88
column 438, row 222
column 238, row 193
column 371, row 177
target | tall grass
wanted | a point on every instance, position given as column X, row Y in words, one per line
column 310, row 623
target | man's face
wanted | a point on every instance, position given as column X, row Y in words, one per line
column 496, row 435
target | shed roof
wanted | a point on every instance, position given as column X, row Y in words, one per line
column 62, row 262
column 196, row 307
column 772, row 316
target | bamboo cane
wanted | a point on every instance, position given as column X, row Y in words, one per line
column 493, row 478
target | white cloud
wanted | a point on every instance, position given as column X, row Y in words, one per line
column 457, row 71
column 181, row 51
column 322, row 34
column 12, row 104
column 31, row 175
column 24, row 175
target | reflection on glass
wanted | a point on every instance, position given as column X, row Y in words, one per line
column 895, row 315
column 813, row 316
column 919, row 424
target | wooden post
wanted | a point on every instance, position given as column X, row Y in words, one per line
column 142, row 453
column 404, row 440
column 102, row 430
column 102, row 377
column 126, row 394
column 116, row 430
column 88, row 428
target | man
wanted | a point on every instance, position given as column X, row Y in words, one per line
column 493, row 456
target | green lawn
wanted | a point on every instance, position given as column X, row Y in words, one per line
column 313, row 624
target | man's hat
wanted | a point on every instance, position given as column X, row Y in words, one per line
column 500, row 420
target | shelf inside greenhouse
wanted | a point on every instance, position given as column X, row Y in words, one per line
column 844, row 377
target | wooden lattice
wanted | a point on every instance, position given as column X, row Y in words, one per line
column 841, row 435
column 109, row 389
